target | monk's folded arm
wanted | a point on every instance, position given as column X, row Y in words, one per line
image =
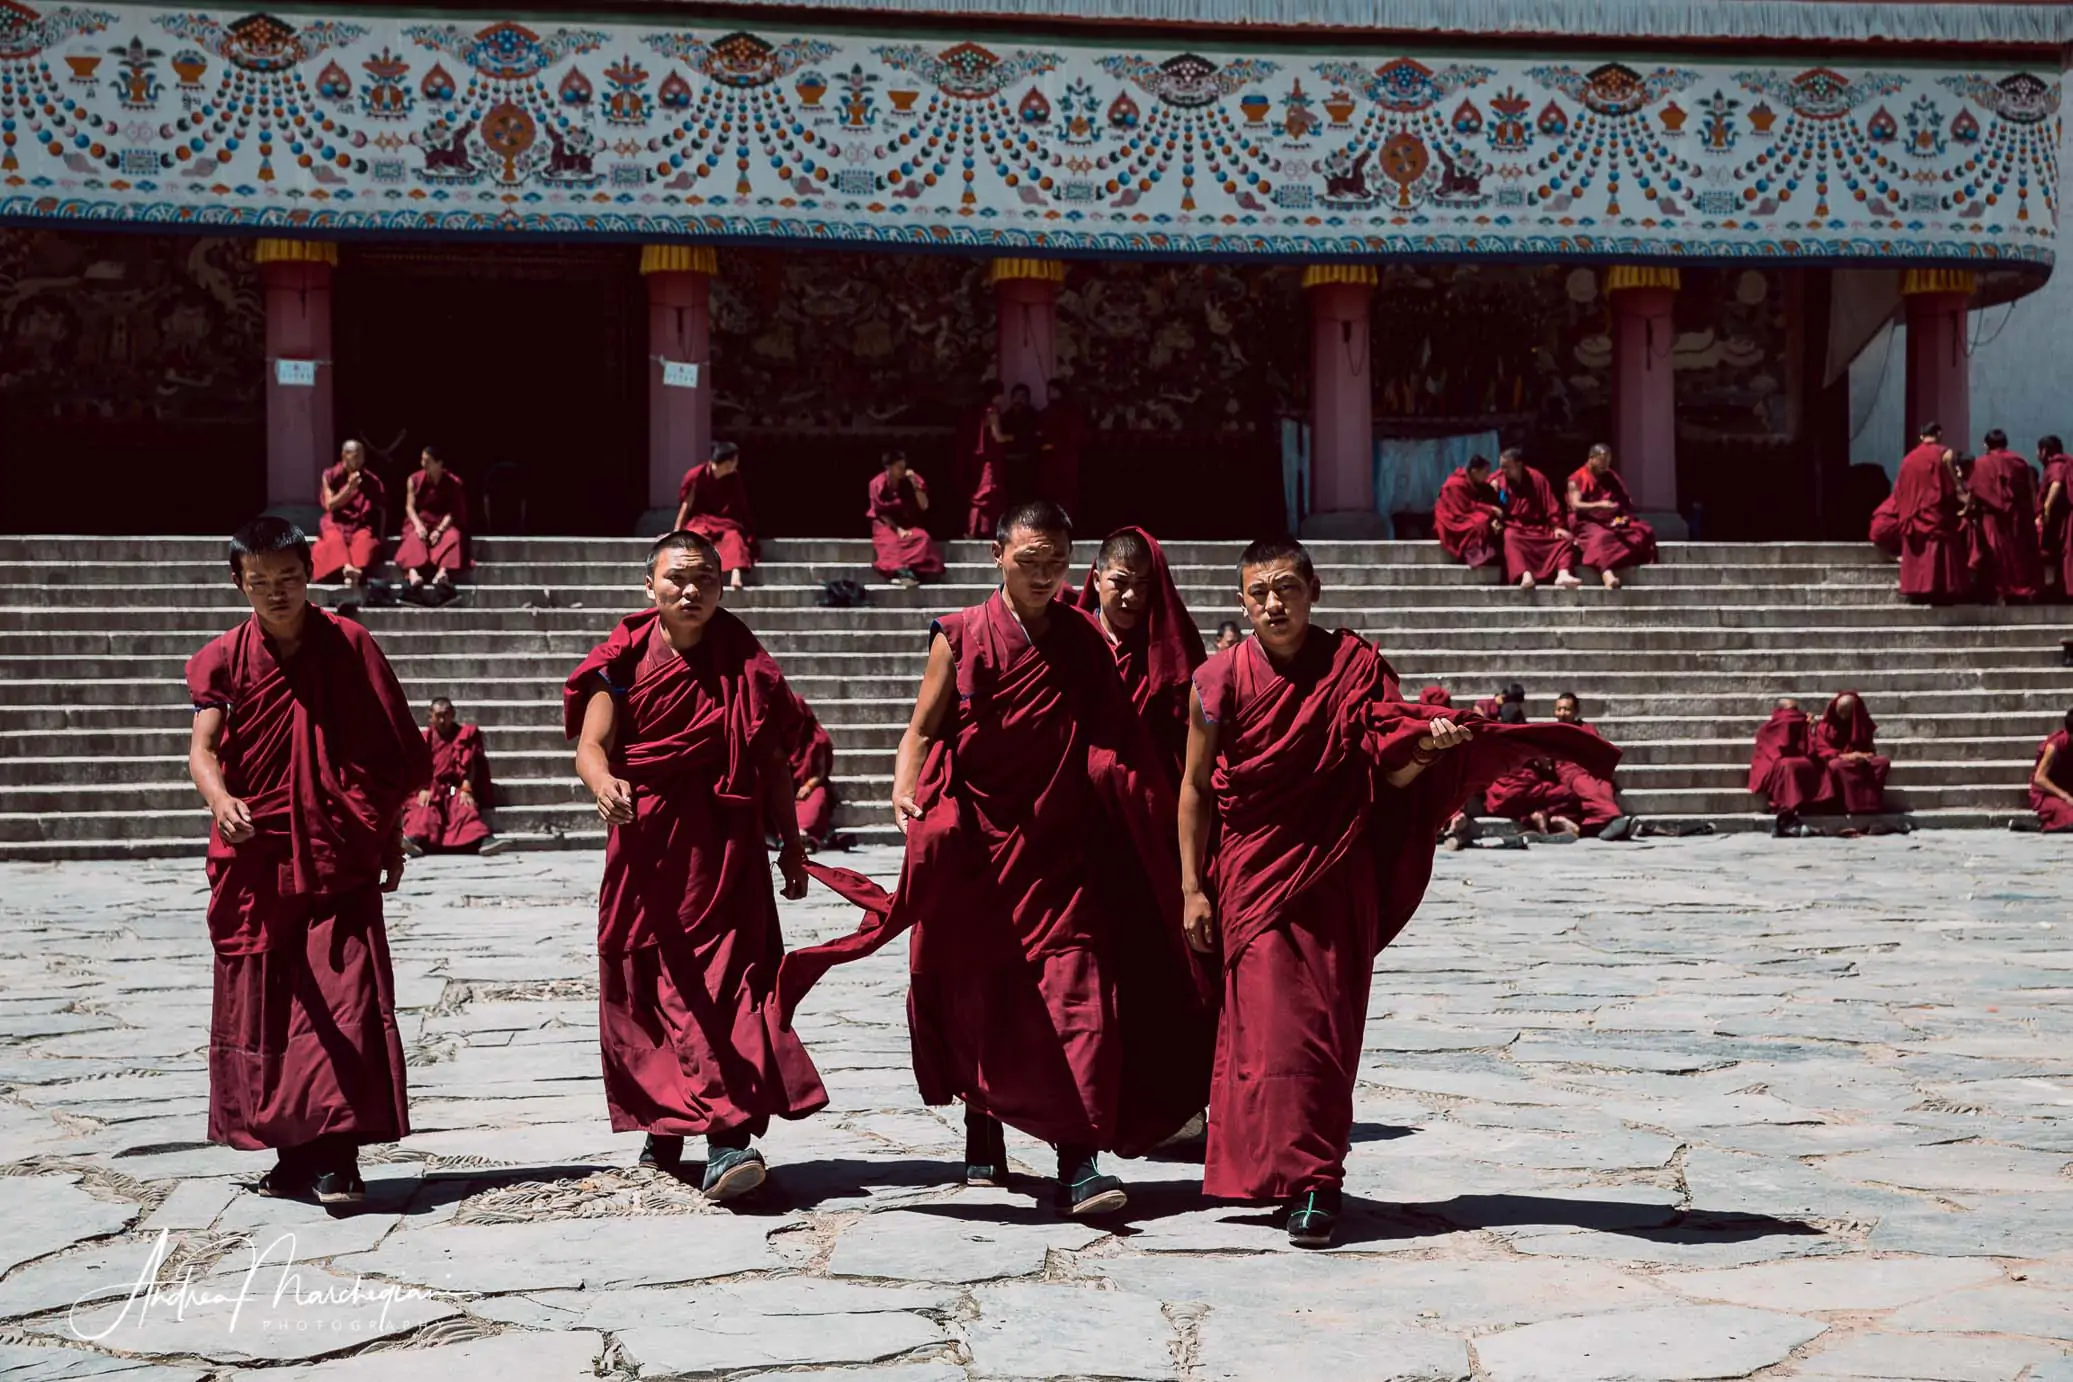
column 1197, row 795
column 202, row 763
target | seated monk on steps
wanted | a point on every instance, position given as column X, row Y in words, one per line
column 355, row 509
column 1536, row 545
column 447, row 816
column 713, row 502
column 1468, row 519
column 1843, row 743
column 901, row 549
column 1602, row 516
column 2051, row 781
column 435, row 526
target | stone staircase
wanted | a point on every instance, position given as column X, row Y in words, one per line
column 1679, row 669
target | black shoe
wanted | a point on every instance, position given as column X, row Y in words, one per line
column 1786, row 825
column 986, row 1149
column 1618, row 828
column 731, row 1172
column 662, row 1153
column 1083, row 1191
column 341, row 1185
column 288, row 1180
column 1313, row 1217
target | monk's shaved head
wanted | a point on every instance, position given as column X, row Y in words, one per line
column 681, row 541
column 1787, row 703
column 2051, row 446
column 441, row 703
column 1036, row 516
column 1126, row 548
column 1269, row 551
column 1478, row 462
column 265, row 536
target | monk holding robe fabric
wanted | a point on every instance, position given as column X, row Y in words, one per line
column 811, row 754
column 2051, row 781
column 713, row 502
column 305, row 751
column 2004, row 491
column 901, row 549
column 1130, row 593
column 1468, row 519
column 355, row 507
column 1602, row 517
column 1843, row 742
column 1536, row 545
column 2055, row 515
column 1933, row 555
column 1050, row 986
column 1784, row 771
column 1308, row 818
column 447, row 817
column 435, row 525
column 682, row 722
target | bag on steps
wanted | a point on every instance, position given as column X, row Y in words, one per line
column 844, row 594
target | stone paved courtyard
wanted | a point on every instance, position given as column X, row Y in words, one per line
column 1694, row 1109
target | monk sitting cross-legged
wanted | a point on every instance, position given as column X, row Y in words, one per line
column 682, row 721
column 2004, row 491
column 355, row 508
column 1597, row 802
column 1536, row 545
column 1133, row 599
column 1784, row 771
column 435, row 526
column 713, row 502
column 1468, row 519
column 1309, row 814
column 1843, row 743
column 901, row 549
column 2051, row 781
column 1051, row 988
column 305, row 751
column 1927, row 495
column 1602, row 516
column 447, row 816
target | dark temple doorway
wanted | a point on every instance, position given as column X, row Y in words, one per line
column 522, row 364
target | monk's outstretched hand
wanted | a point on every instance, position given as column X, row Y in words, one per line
column 615, row 802
column 1198, row 920
column 1443, row 734
column 234, row 821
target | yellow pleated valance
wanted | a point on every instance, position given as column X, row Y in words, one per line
column 1360, row 275
column 1621, row 276
column 1043, row 270
column 1938, row 281
column 295, row 252
column 667, row 259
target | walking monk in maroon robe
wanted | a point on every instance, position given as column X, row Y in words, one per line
column 1885, row 526
column 1133, row 599
column 811, row 755
column 305, row 751
column 435, row 525
column 2004, row 491
column 1309, row 814
column 355, row 510
column 1467, row 519
column 447, row 817
column 2051, row 781
column 1933, row 564
column 1536, row 545
column 2055, row 515
column 713, row 502
column 1602, row 516
column 1051, row 988
column 901, row 549
column 1843, row 742
column 682, row 721
column 1784, row 771
column 986, row 479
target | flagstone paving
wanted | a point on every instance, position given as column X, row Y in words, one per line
column 1695, row 1109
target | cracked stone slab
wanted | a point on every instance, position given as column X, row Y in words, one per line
column 1045, row 1331
column 45, row 1214
column 1914, row 1358
column 567, row 1253
column 26, row 1363
column 922, row 1246
column 2043, row 1314
column 1965, row 1166
column 726, row 1343
column 1851, row 1283
column 1241, row 1343
column 570, row 1356
column 1669, row 1344
column 768, row 1298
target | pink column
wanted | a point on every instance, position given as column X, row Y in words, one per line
column 1025, row 295
column 1644, row 430
column 1939, row 372
column 680, row 410
column 296, row 277
column 1342, row 408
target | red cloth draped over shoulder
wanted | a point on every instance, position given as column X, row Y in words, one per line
column 1051, row 984
column 450, row 818
column 1607, row 546
column 893, row 510
column 436, row 501
column 1158, row 658
column 1933, row 551
column 1885, row 526
column 1462, row 517
column 350, row 535
column 1860, row 784
column 2005, row 490
column 1532, row 515
column 2054, row 814
column 1783, row 769
column 720, row 514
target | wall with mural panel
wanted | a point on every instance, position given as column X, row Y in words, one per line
column 369, row 123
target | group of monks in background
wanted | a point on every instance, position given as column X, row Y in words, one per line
column 1514, row 517
column 1988, row 528
column 355, row 522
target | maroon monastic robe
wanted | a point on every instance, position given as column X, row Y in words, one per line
column 2004, row 489
column 1608, row 545
column 1050, row 984
column 436, row 499
column 688, row 937
column 2057, row 539
column 1860, row 785
column 451, row 819
column 986, row 481
column 349, row 535
column 1316, row 864
column 1933, row 556
column 1064, row 429
column 2052, row 813
column 1462, row 519
column 1436, row 695
column 1557, row 786
column 1885, row 526
column 893, row 511
column 322, row 749
column 720, row 514
column 1784, row 770
column 811, row 754
column 1532, row 516
column 1158, row 658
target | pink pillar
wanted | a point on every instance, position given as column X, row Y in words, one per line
column 1342, row 408
column 1025, row 294
column 1939, row 372
column 680, row 414
column 296, row 277
column 1644, row 431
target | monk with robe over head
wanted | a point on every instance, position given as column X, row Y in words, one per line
column 447, row 817
column 713, row 502
column 1468, row 519
column 1309, row 813
column 811, row 754
column 2004, row 492
column 2051, row 781
column 1602, row 516
column 349, row 535
column 1843, row 742
column 1784, row 771
column 1050, row 986
column 2055, row 515
column 305, row 751
column 1885, row 526
column 1536, row 545
column 986, row 479
column 901, row 549
column 1063, row 427
column 1131, row 594
column 682, row 722
column 1934, row 565
column 435, row 525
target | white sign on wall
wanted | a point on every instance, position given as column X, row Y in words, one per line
column 677, row 374
column 296, row 374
